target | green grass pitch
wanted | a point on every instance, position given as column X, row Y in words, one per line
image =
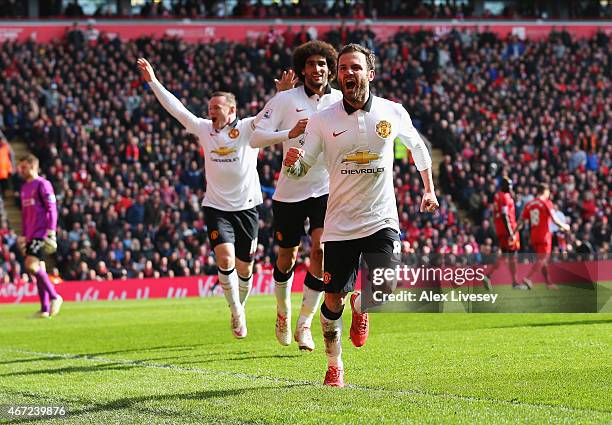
column 175, row 361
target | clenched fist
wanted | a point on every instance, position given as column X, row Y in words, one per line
column 429, row 202
column 298, row 128
column 293, row 154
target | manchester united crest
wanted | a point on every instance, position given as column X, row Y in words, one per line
column 234, row 133
column 383, row 129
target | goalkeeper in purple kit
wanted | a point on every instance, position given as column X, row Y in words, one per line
column 39, row 217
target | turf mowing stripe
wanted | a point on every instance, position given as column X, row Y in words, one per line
column 294, row 382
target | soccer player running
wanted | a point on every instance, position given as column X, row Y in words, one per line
column 504, row 216
column 538, row 214
column 39, row 213
column 356, row 137
column 233, row 190
column 284, row 120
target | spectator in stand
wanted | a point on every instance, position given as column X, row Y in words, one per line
column 7, row 166
column 74, row 9
column 506, row 114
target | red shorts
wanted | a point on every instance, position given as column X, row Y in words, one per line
column 543, row 247
column 502, row 237
column 506, row 247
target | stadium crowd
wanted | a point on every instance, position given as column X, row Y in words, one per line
column 129, row 179
column 286, row 9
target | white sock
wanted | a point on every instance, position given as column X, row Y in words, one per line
column 229, row 283
column 244, row 288
column 332, row 335
column 282, row 290
column 310, row 303
column 357, row 304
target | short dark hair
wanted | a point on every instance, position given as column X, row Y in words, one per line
column 231, row 99
column 315, row 47
column 29, row 158
column 506, row 184
column 358, row 48
column 542, row 187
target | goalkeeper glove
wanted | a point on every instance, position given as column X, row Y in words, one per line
column 50, row 242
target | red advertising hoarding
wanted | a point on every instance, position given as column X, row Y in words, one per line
column 206, row 31
column 204, row 286
column 134, row 289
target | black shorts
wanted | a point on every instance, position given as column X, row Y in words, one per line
column 236, row 227
column 342, row 258
column 290, row 217
column 34, row 248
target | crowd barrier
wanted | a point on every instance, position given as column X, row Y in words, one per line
column 206, row 31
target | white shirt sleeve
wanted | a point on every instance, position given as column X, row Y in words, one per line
column 267, row 122
column 246, row 127
column 176, row 108
column 313, row 145
column 313, row 141
column 412, row 140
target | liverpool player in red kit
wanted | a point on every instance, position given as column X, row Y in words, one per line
column 538, row 213
column 504, row 215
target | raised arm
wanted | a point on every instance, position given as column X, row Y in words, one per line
column 169, row 102
column 411, row 138
column 287, row 81
column 270, row 118
column 262, row 138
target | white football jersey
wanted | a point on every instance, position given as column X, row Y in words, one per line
column 281, row 113
column 230, row 163
column 357, row 148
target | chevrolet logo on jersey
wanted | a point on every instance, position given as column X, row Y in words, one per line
column 223, row 151
column 361, row 157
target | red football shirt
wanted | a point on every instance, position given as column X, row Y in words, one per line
column 539, row 215
column 503, row 202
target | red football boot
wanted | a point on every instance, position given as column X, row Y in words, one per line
column 334, row 377
column 359, row 326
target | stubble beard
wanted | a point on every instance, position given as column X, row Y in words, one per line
column 359, row 94
column 316, row 84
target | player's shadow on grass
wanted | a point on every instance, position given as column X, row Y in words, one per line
column 32, row 359
column 143, row 349
column 546, row 324
column 211, row 358
column 240, row 358
column 203, row 358
column 74, row 369
column 134, row 403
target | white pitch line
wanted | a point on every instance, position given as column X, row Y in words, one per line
column 251, row 377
